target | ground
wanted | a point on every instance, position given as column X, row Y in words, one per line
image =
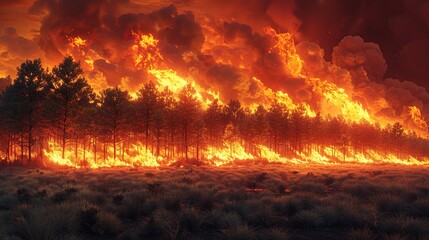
column 231, row 202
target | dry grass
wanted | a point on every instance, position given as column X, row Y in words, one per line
column 235, row 202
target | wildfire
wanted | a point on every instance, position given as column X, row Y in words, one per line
column 149, row 56
column 228, row 153
column 417, row 117
column 77, row 41
column 146, row 56
column 80, row 46
column 335, row 100
column 136, row 155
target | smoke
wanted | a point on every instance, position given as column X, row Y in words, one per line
column 225, row 48
column 15, row 49
column 353, row 54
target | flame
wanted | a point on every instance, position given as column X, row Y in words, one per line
column 228, row 153
column 335, row 100
column 77, row 41
column 417, row 118
column 147, row 56
column 84, row 52
column 136, row 155
column 146, row 51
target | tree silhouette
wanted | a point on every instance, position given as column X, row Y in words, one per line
column 70, row 93
column 215, row 123
column 275, row 118
column 114, row 114
column 187, row 108
column 148, row 103
column 396, row 134
column 22, row 102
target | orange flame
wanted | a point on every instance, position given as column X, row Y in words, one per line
column 335, row 101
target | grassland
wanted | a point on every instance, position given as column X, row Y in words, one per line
column 235, row 202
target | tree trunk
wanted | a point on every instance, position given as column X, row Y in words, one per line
column 95, row 149
column 114, row 145
column 22, row 149
column 186, row 139
column 147, row 130
column 30, row 139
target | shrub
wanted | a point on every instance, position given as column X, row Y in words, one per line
column 8, row 201
column 413, row 227
column 262, row 216
column 154, row 188
column 190, row 220
column 240, row 232
column 420, row 208
column 24, row 195
column 62, row 196
column 329, row 180
column 239, row 208
column 363, row 190
column 306, row 219
column 168, row 222
column 146, row 208
column 48, row 223
column 88, row 218
column 171, row 202
column 207, row 201
column 361, row 234
column 306, row 201
column 117, row 199
column 107, row 223
column 330, row 216
column 273, row 234
column 389, row 203
column 130, row 209
column 260, row 178
column 286, row 206
column 229, row 220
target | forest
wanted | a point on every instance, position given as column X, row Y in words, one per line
column 60, row 107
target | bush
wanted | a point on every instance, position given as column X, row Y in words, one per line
column 229, row 220
column 48, row 223
column 361, row 234
column 168, row 222
column 307, row 219
column 240, row 232
column 413, row 227
column 273, row 234
column 286, row 206
column 389, row 203
column 262, row 216
column 107, row 223
column 190, row 220
column 420, row 208
column 8, row 201
column 24, row 195
column 117, row 199
column 88, row 218
column 130, row 209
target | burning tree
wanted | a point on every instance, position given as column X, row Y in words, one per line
column 115, row 116
column 69, row 95
column 22, row 105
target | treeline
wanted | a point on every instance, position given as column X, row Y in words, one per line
column 60, row 106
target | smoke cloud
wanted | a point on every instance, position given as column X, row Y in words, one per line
column 377, row 52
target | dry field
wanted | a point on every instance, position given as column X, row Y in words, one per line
column 234, row 202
